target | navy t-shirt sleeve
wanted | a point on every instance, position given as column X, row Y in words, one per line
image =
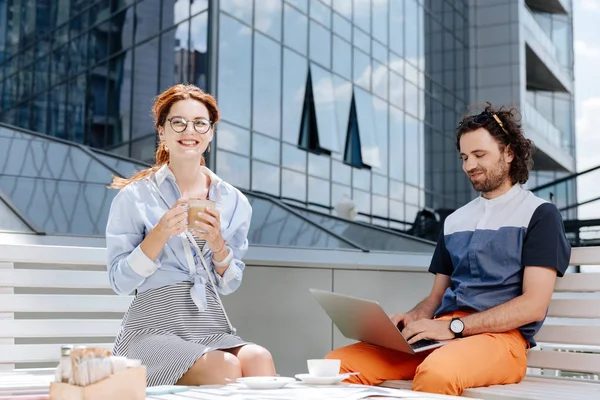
column 546, row 244
column 441, row 263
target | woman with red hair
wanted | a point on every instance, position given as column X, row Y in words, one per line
column 177, row 324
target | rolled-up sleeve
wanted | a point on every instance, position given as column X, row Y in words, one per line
column 238, row 246
column 127, row 264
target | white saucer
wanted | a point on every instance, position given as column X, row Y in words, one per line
column 321, row 380
column 265, row 382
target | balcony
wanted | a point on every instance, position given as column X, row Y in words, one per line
column 550, row 6
column 551, row 154
column 543, row 69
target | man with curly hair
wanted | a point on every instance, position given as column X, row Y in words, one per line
column 495, row 266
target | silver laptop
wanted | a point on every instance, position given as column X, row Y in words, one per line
column 366, row 321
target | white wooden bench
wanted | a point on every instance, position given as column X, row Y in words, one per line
column 566, row 362
column 65, row 298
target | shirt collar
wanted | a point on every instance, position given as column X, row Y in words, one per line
column 506, row 197
column 217, row 183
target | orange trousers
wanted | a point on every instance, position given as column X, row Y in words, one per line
column 474, row 361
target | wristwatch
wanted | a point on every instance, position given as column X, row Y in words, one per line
column 457, row 327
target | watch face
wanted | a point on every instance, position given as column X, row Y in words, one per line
column 456, row 326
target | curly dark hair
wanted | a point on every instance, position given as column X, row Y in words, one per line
column 507, row 132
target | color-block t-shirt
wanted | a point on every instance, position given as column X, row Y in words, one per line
column 486, row 245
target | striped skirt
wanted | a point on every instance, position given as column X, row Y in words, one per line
column 164, row 328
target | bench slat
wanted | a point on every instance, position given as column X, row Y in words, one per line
column 63, row 303
column 36, row 278
column 565, row 361
column 569, row 334
column 574, row 308
column 585, row 255
column 21, row 328
column 584, row 282
column 19, row 353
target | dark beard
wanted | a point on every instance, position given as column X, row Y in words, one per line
column 493, row 178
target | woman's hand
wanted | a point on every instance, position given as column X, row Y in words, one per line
column 174, row 221
column 211, row 228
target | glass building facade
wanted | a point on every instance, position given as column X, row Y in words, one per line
column 320, row 99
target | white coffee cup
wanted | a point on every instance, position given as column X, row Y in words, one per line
column 324, row 367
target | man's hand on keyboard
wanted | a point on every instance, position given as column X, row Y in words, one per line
column 427, row 329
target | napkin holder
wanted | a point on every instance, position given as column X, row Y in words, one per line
column 128, row 384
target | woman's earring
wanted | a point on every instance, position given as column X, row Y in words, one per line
column 209, row 148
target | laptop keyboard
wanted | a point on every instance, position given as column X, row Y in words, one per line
column 423, row 343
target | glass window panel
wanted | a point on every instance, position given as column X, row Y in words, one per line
column 339, row 193
column 174, row 11
column 342, row 26
column 293, row 185
column 362, row 69
column 300, row 4
column 361, row 179
column 147, row 22
column 295, row 29
column 318, row 191
column 412, row 150
column 235, row 45
column 369, row 143
column 119, row 93
column 198, row 51
column 362, row 201
column 267, row 18
column 396, row 144
column 396, row 90
column 42, row 76
column 411, row 101
column 76, row 108
column 320, row 44
column 265, row 178
column 319, row 165
column 239, row 9
column 362, row 41
column 294, row 158
column 145, row 77
column 325, row 107
column 341, row 173
column 380, row 80
column 320, row 12
column 233, row 138
column 265, row 148
column 343, row 97
column 39, row 110
column 267, row 84
column 362, row 14
column 58, row 98
column 421, row 37
column 342, row 57
column 411, row 31
column 380, row 185
column 344, row 7
column 379, row 52
column 397, row 210
column 380, row 20
column 380, row 116
column 199, row 5
column 272, row 225
column 233, row 169
column 396, row 27
column 295, row 71
column 78, row 54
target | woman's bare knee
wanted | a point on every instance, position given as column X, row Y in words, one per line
column 213, row 368
column 255, row 360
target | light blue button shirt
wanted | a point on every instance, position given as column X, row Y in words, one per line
column 138, row 207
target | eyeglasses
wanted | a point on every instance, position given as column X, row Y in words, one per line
column 179, row 124
column 483, row 117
